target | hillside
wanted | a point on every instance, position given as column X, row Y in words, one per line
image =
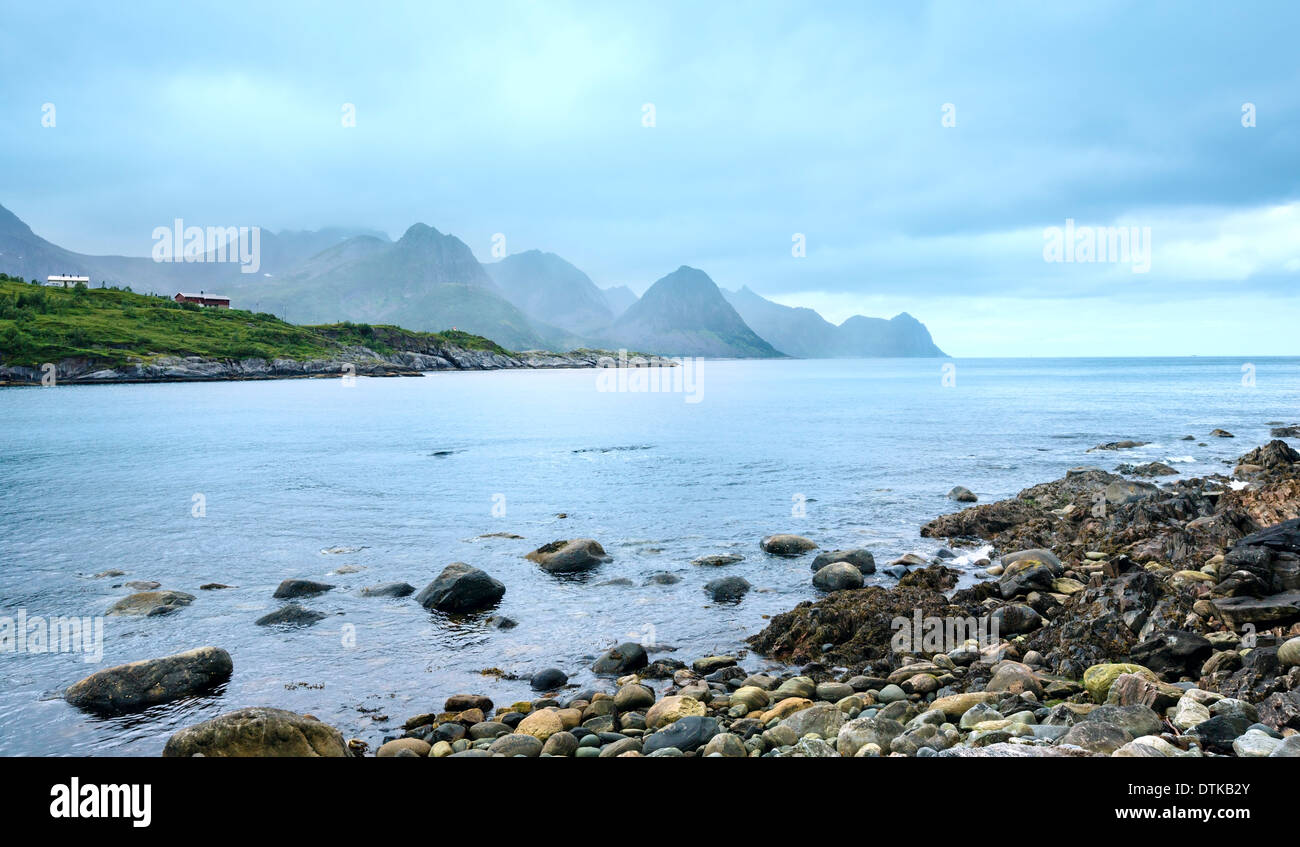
column 111, row 327
column 684, row 314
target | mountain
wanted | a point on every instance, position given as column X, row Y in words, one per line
column 618, row 298
column 426, row 281
column 803, row 332
column 795, row 331
column 901, row 335
column 684, row 314
column 553, row 291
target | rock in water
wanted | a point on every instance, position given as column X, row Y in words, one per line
column 291, row 588
column 461, row 588
column 962, row 494
column 623, row 659
column 858, row 557
column 729, row 589
column 137, row 685
column 837, row 576
column 718, row 560
column 388, row 589
column 785, row 544
column 258, row 731
column 548, row 679
column 151, row 603
column 572, row 556
column 290, row 614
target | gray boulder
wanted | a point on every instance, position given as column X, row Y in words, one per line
column 137, row 685
column 461, row 588
column 572, row 556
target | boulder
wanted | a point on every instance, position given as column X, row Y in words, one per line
column 290, row 614
column 823, row 719
column 258, row 731
column 671, row 709
column 837, row 576
column 292, row 588
column 542, row 724
column 572, row 556
column 461, row 588
column 548, row 679
column 388, row 589
column 962, row 494
column 686, row 733
column 728, row 589
column 1173, row 652
column 1099, row 678
column 516, row 744
column 718, row 560
column 137, row 685
column 151, row 603
column 785, row 544
column 623, row 659
column 859, row 732
column 858, row 557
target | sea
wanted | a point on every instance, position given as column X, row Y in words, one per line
column 355, row 482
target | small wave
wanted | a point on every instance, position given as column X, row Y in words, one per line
column 1180, row 460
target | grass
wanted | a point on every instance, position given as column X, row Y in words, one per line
column 113, row 326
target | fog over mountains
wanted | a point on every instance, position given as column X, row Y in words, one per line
column 429, row 280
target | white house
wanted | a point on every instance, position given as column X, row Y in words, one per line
column 63, row 281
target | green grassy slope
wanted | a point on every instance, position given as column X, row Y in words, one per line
column 39, row 324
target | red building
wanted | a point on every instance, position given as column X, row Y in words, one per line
column 215, row 300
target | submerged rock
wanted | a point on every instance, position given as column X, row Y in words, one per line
column 292, row 588
column 728, row 589
column 388, row 589
column 137, row 685
column 785, row 544
column 290, row 614
column 572, row 556
column 625, row 658
column 151, row 603
column 962, row 494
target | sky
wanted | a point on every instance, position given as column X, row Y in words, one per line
column 924, row 154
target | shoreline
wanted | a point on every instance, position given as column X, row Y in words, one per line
column 1114, row 617
column 357, row 362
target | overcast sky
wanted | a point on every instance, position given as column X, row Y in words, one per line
column 527, row 119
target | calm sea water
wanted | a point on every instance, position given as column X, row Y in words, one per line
column 404, row 474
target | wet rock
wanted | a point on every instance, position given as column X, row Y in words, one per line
column 1221, row 433
column 663, row 578
column 1127, row 444
column 461, row 588
column 728, row 589
column 562, row 743
column 1217, row 734
column 548, row 679
column 137, row 685
column 859, row 557
column 727, row 745
column 634, row 697
column 1016, row 618
column 290, row 614
column 142, row 585
column 837, row 576
column 292, row 588
column 1129, row 491
column 388, row 589
column 572, row 556
column 1033, row 576
column 962, row 495
column 457, row 703
column 786, row 545
column 711, row 664
column 1136, row 720
column 259, row 731
column 151, row 603
column 718, row 560
column 623, row 659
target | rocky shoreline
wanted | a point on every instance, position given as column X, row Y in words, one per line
column 354, row 361
column 1113, row 617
